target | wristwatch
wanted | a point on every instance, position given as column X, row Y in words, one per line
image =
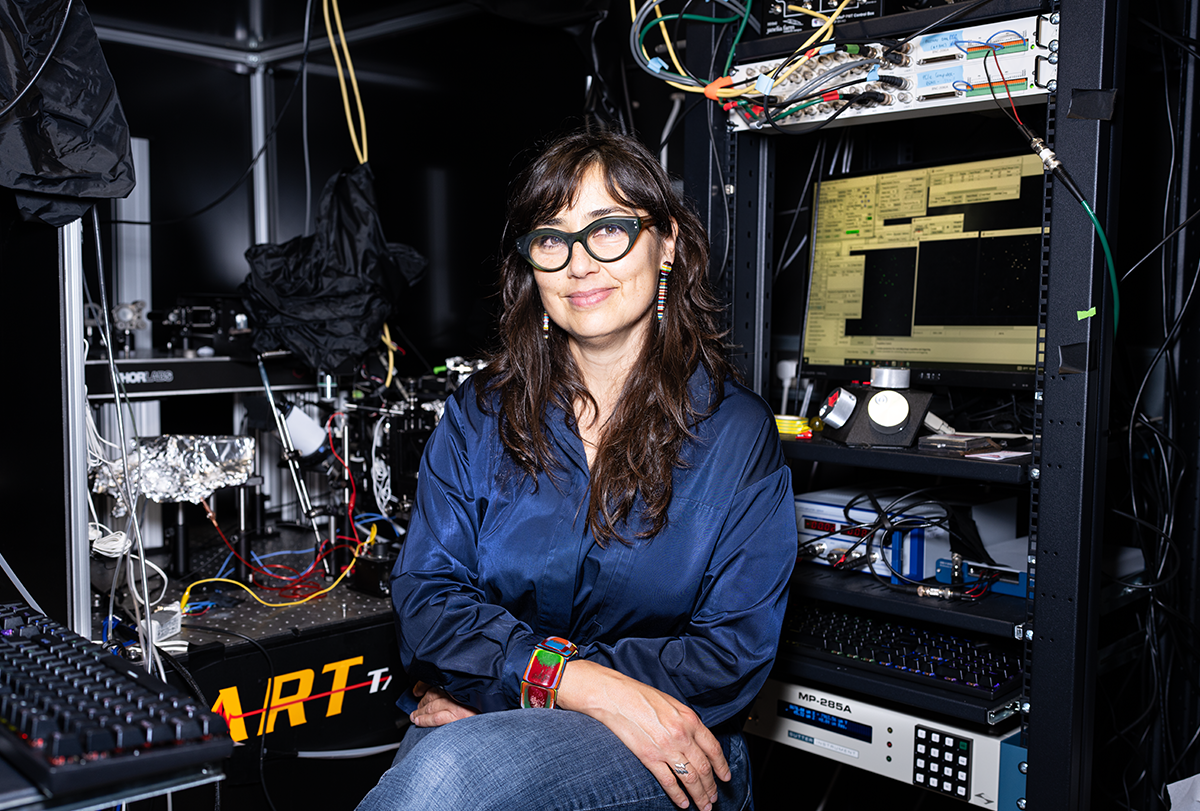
column 539, row 685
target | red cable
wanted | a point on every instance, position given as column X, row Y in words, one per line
column 294, row 587
column 1011, row 103
column 349, row 475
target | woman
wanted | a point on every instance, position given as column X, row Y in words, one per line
column 604, row 521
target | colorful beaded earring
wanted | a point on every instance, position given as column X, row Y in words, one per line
column 661, row 306
column 545, row 325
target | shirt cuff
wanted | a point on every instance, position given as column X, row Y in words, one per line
column 515, row 662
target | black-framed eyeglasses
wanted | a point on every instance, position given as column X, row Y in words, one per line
column 606, row 240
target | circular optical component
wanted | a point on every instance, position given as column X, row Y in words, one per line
column 888, row 412
column 837, row 408
column 889, row 377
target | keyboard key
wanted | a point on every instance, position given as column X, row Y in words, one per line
column 68, row 702
column 957, row 661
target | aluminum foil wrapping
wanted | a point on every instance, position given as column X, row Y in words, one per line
column 177, row 468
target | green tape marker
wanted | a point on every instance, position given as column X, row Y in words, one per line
column 1085, row 313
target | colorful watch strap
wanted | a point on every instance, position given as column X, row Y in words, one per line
column 543, row 674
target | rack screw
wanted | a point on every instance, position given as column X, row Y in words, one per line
column 1021, row 803
column 1053, row 46
column 1035, row 473
column 730, row 189
column 1025, row 707
column 1023, row 767
column 1052, row 86
column 1054, row 18
column 1052, row 59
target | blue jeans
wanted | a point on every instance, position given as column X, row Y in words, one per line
column 539, row 760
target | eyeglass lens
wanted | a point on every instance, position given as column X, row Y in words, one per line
column 606, row 242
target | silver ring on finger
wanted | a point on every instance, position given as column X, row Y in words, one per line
column 680, row 769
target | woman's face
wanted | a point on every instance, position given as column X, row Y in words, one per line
column 605, row 306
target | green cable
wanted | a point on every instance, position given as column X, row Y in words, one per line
column 786, row 113
column 1112, row 271
column 692, row 17
column 737, row 39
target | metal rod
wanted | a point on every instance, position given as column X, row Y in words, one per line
column 289, row 453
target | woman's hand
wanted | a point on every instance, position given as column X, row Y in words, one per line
column 436, row 707
column 661, row 730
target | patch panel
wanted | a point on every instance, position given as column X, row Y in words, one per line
column 938, row 73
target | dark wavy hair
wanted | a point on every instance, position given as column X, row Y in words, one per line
column 655, row 416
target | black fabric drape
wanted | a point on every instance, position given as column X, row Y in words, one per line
column 66, row 142
column 326, row 296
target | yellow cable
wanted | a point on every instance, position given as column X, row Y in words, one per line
column 822, row 34
column 183, row 601
column 807, row 11
column 670, row 45
column 387, row 341
column 337, row 63
column 362, row 119
column 670, row 49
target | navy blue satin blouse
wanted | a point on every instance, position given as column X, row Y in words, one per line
column 492, row 565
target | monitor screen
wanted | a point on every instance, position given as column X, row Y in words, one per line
column 936, row 270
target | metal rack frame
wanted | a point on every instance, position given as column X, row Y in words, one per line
column 1066, row 478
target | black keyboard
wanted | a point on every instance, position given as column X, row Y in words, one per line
column 975, row 665
column 75, row 717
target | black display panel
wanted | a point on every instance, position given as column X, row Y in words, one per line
column 937, row 270
column 825, row 720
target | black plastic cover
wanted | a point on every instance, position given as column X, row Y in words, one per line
column 66, row 142
column 326, row 296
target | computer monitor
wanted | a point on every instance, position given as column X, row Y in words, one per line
column 936, row 270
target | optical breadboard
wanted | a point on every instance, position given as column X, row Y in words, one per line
column 965, row 68
column 832, row 536
column 983, row 766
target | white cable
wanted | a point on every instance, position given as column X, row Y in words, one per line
column 16, row 581
column 837, row 150
column 111, row 544
column 381, row 472
column 131, row 495
column 787, row 262
column 343, row 754
column 130, row 576
column 676, row 104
